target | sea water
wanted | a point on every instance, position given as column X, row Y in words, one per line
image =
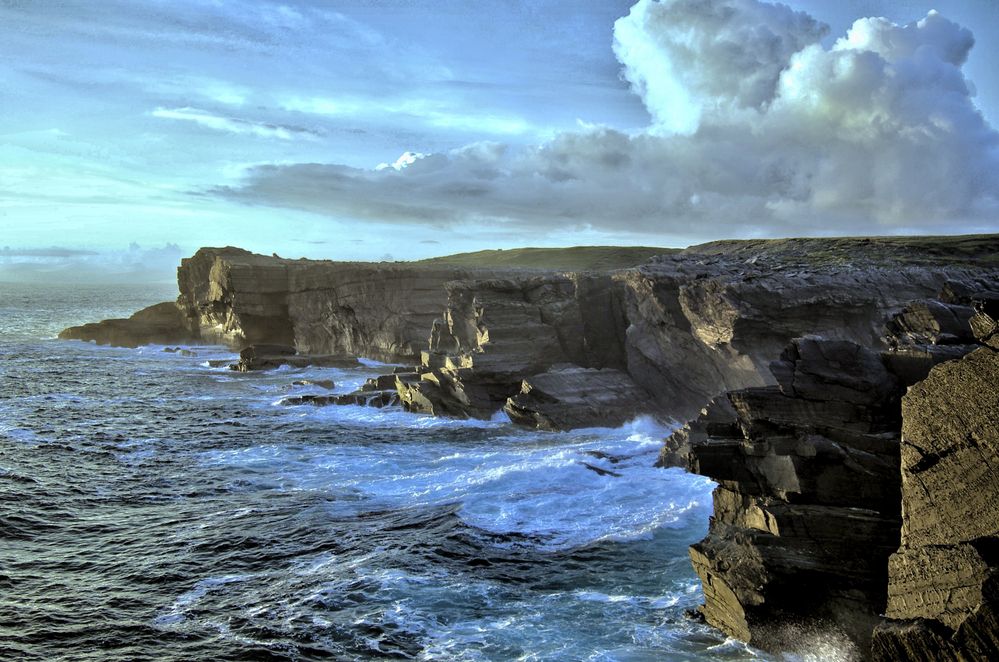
column 153, row 507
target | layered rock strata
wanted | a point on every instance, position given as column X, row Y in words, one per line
column 681, row 329
column 497, row 333
column 379, row 310
column 816, row 473
column 943, row 600
column 807, row 511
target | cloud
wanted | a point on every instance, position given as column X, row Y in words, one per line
column 235, row 124
column 686, row 57
column 432, row 113
column 54, row 264
column 758, row 129
column 51, row 252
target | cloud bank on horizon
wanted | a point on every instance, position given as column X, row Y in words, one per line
column 758, row 129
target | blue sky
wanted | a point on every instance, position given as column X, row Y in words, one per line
column 139, row 131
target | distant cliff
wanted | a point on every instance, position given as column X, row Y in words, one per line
column 676, row 330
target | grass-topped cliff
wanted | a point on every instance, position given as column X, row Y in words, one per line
column 581, row 258
column 972, row 249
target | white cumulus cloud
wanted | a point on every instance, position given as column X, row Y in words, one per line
column 757, row 129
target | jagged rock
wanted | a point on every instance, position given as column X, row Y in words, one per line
column 931, row 322
column 574, row 397
column 814, row 368
column 162, row 323
column 378, row 310
column 808, row 496
column 985, row 322
column 380, row 383
column 912, row 364
column 943, row 579
column 717, row 421
column 497, row 332
column 950, row 453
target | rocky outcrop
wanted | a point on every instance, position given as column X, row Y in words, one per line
column 815, row 475
column 268, row 357
column 807, row 496
column 496, row 332
column 684, row 327
column 378, row 310
column 703, row 324
column 161, row 324
column 943, row 579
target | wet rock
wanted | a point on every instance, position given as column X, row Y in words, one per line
column 327, row 384
column 718, row 420
column 377, row 399
column 163, row 323
column 574, row 397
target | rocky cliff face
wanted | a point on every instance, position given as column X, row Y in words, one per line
column 700, row 325
column 943, row 600
column 349, row 308
column 817, row 473
column 679, row 330
column 807, row 497
column 839, row 500
column 496, row 333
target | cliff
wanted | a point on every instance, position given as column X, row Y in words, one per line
column 827, row 482
column 854, row 447
column 492, row 330
column 942, row 580
column 163, row 323
column 379, row 310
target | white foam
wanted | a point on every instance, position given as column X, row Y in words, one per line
column 543, row 485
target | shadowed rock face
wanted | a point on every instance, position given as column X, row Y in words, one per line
column 816, row 473
column 703, row 325
column 683, row 328
column 495, row 333
column 807, row 510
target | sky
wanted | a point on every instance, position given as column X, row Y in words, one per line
column 134, row 132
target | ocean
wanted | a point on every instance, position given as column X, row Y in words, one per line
column 155, row 508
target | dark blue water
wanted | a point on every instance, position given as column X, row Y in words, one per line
column 152, row 507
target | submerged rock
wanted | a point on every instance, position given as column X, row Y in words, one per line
column 376, row 399
column 327, row 384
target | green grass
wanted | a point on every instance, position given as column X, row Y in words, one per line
column 582, row 258
column 980, row 249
